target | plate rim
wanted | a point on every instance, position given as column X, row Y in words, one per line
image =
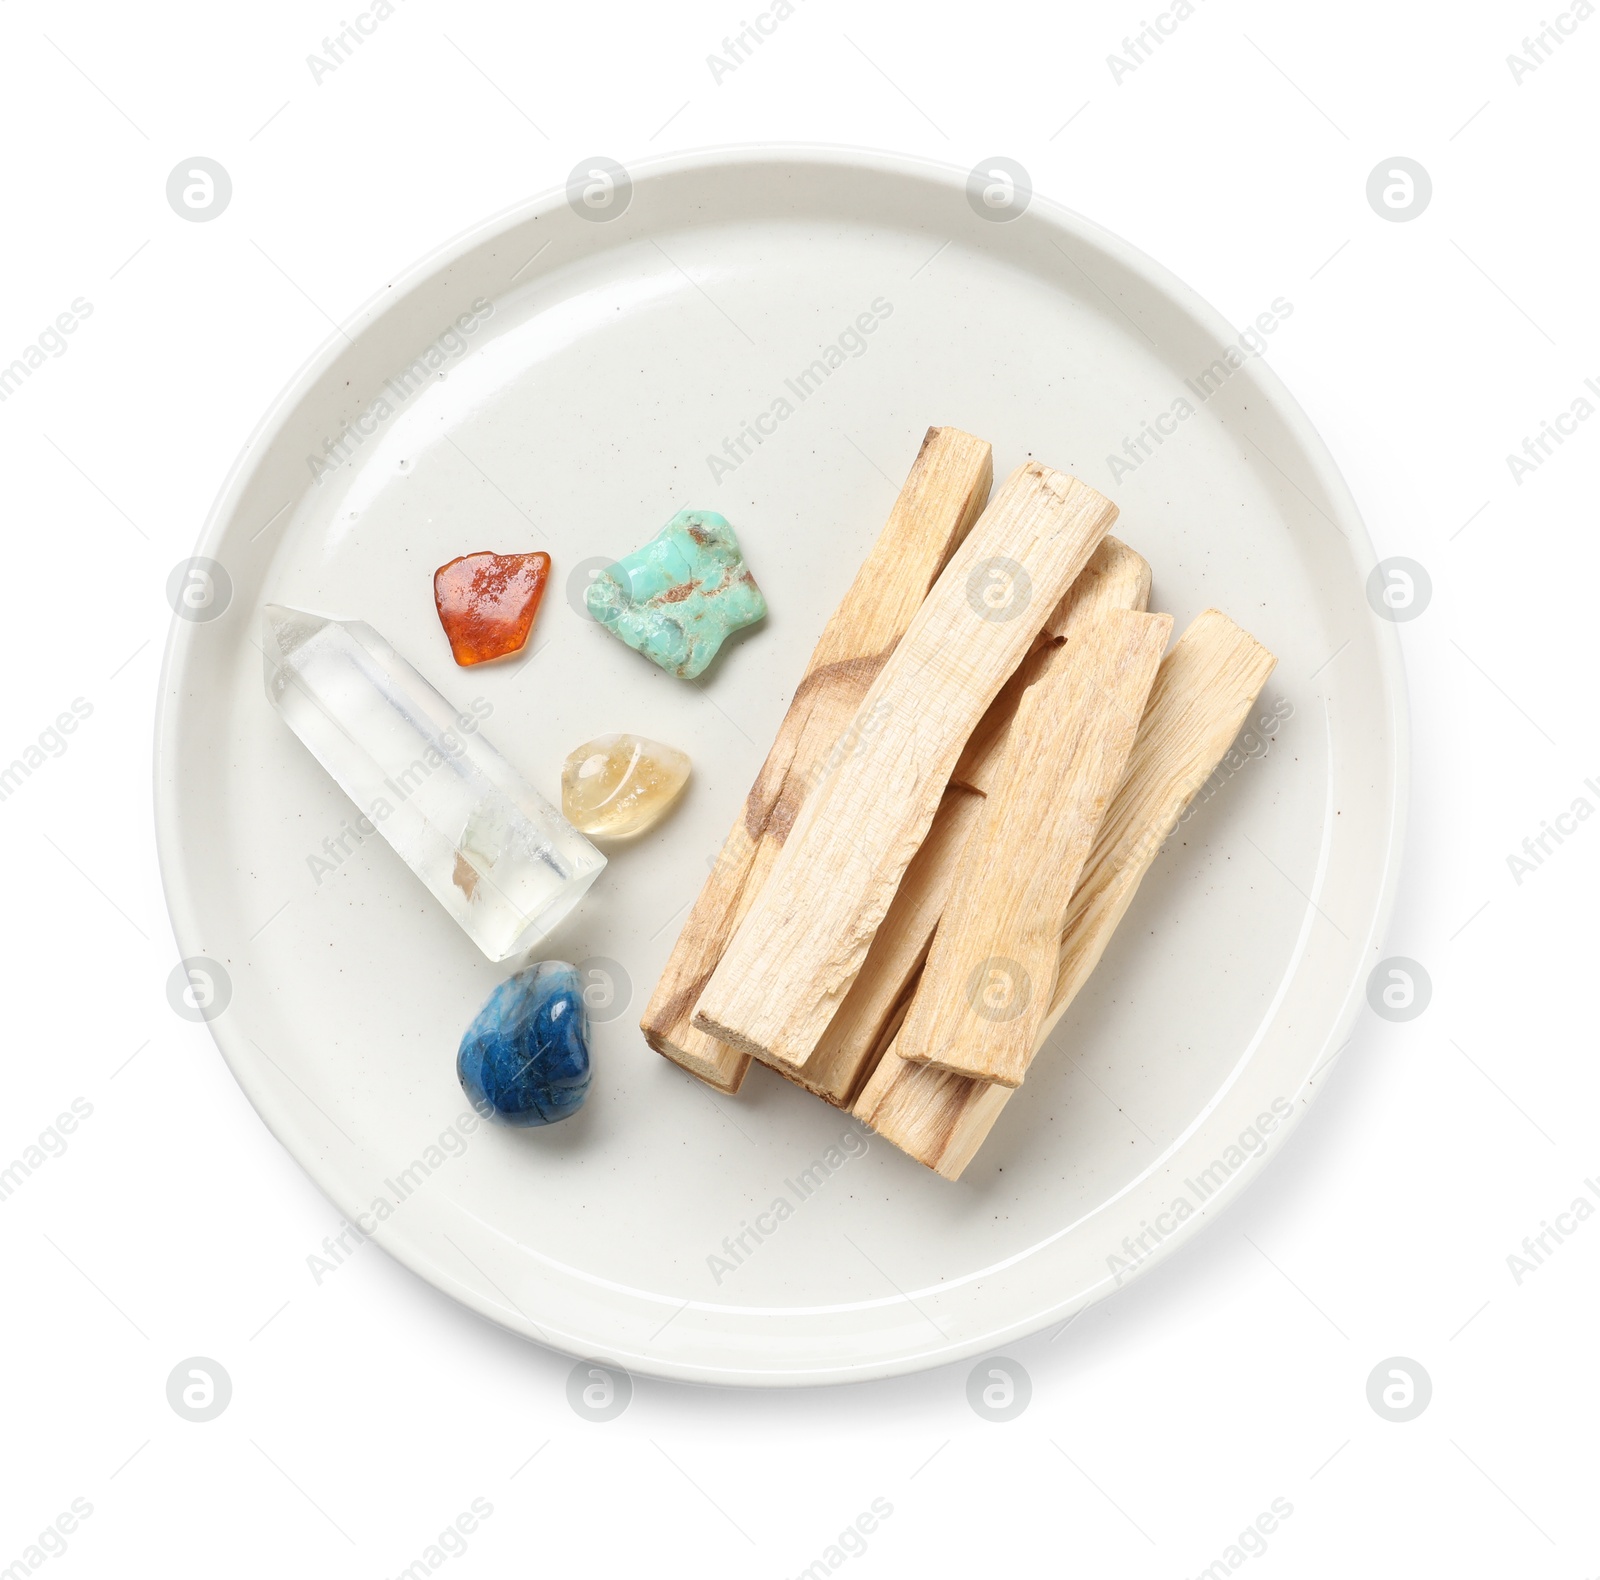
column 845, row 159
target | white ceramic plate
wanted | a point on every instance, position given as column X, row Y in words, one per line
column 583, row 371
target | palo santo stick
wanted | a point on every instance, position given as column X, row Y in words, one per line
column 837, row 1065
column 989, row 976
column 1203, row 690
column 938, row 1118
column 1115, row 578
column 943, row 495
column 802, row 942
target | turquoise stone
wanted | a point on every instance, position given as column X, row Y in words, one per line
column 678, row 598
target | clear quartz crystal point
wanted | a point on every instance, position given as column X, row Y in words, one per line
column 492, row 851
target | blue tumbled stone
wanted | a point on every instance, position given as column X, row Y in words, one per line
column 525, row 1059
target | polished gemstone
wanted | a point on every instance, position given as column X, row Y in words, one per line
column 619, row 785
column 678, row 598
column 499, row 858
column 487, row 602
column 525, row 1059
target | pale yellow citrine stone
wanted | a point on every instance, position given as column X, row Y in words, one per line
column 619, row 785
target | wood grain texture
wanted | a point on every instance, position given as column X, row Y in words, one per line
column 942, row 497
column 848, row 1051
column 878, row 996
column 802, row 942
column 1202, row 693
column 1116, row 577
column 986, row 986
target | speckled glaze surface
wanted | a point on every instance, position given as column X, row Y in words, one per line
column 608, row 366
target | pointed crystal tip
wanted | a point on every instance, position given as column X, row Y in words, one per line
column 283, row 630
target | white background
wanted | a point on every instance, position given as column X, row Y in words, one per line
column 368, row 1412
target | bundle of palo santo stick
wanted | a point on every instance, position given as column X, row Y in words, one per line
column 987, row 751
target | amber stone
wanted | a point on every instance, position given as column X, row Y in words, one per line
column 487, row 602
